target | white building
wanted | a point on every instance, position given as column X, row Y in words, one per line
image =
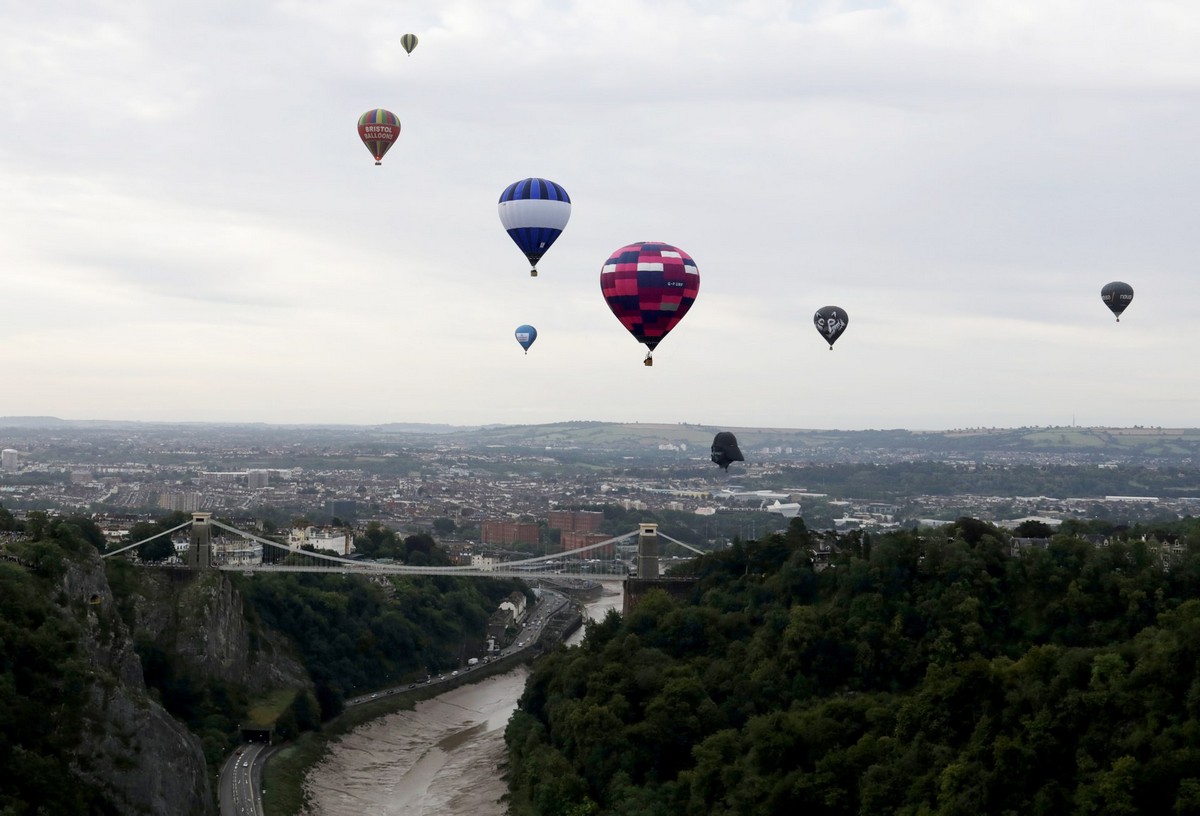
column 9, row 459
column 334, row 540
column 515, row 603
column 235, row 550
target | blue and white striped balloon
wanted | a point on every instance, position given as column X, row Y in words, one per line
column 534, row 211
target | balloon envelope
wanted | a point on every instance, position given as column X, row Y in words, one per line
column 1116, row 296
column 409, row 42
column 831, row 321
column 534, row 211
column 379, row 130
column 525, row 336
column 725, row 450
column 649, row 286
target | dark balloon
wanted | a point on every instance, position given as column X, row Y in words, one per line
column 1116, row 296
column 831, row 321
column 408, row 42
column 725, row 450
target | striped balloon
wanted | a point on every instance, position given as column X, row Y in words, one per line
column 379, row 130
column 649, row 286
column 534, row 211
column 409, row 42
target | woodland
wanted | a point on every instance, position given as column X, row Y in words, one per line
column 928, row 671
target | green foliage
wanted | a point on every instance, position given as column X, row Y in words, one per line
column 378, row 541
column 921, row 672
column 43, row 677
column 1033, row 529
column 355, row 635
column 160, row 548
column 7, row 522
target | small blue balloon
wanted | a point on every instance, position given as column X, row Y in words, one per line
column 525, row 336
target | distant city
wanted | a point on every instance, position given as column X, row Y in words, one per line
column 546, row 488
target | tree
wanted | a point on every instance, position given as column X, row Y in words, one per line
column 1032, row 528
column 444, row 526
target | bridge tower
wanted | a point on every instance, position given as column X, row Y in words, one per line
column 199, row 554
column 647, row 550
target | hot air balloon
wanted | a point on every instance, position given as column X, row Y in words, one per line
column 1116, row 296
column 534, row 211
column 725, row 450
column 379, row 130
column 649, row 286
column 409, row 41
column 525, row 336
column 831, row 321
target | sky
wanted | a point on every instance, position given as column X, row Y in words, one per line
column 191, row 229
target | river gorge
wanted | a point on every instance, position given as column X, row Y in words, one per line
column 444, row 757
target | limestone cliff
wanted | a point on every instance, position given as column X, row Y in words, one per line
column 200, row 618
column 143, row 759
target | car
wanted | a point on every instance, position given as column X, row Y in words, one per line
column 245, row 763
column 412, row 685
column 454, row 674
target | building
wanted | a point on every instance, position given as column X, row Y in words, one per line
column 10, row 459
column 343, row 508
column 187, row 501
column 515, row 603
column 574, row 540
column 508, row 532
column 335, row 540
column 582, row 521
column 235, row 550
column 256, row 479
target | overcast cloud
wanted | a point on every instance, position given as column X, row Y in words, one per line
column 190, row 228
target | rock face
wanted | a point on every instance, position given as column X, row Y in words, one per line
column 145, row 761
column 200, row 618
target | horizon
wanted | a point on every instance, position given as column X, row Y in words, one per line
column 29, row 421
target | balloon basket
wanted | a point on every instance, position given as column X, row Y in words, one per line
column 533, row 273
column 378, row 163
column 649, row 361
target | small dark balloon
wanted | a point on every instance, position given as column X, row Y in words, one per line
column 831, row 321
column 725, row 450
column 1116, row 296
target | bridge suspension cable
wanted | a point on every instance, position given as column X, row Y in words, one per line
column 696, row 550
column 187, row 523
column 521, row 567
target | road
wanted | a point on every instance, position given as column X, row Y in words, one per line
column 239, row 789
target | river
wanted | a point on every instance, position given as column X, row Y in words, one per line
column 443, row 757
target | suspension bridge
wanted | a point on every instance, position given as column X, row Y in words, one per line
column 642, row 553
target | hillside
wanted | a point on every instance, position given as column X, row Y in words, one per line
column 916, row 674
column 1068, row 444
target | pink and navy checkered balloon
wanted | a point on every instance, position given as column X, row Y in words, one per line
column 649, row 286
